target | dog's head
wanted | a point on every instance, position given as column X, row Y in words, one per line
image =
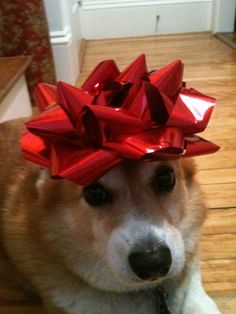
column 132, row 229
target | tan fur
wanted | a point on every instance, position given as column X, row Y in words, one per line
column 50, row 236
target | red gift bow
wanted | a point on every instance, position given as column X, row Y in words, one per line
column 82, row 133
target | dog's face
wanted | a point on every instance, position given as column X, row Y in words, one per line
column 132, row 229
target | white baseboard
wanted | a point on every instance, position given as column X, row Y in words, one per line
column 126, row 18
column 66, row 56
column 105, row 4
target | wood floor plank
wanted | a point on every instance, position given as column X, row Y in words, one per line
column 224, row 143
column 211, row 65
column 220, row 195
column 217, row 133
column 219, row 276
column 221, row 160
column 218, row 246
column 217, row 176
column 158, row 50
column 220, row 221
column 225, row 302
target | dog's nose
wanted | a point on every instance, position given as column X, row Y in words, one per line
column 149, row 265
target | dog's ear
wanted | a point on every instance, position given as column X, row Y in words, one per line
column 53, row 191
column 49, row 190
column 189, row 168
column 43, row 177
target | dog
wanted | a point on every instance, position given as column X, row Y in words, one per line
column 107, row 248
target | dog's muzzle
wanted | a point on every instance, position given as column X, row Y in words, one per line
column 150, row 264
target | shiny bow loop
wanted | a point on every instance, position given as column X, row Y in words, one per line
column 121, row 129
column 133, row 136
column 115, row 116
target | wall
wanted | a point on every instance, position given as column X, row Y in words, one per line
column 65, row 33
column 96, row 19
column 124, row 18
column 223, row 16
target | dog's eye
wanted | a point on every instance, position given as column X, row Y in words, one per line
column 96, row 195
column 164, row 180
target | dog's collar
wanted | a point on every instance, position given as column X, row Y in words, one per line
column 162, row 302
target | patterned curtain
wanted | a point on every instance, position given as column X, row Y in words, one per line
column 24, row 31
column 1, row 28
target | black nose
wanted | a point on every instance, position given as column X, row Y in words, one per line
column 149, row 265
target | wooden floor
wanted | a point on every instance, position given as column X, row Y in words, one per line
column 210, row 66
column 228, row 38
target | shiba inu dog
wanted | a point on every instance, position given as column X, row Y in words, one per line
column 109, row 247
